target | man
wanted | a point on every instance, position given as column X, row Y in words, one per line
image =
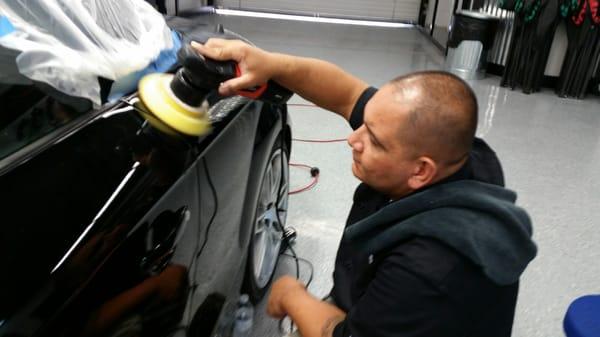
column 434, row 245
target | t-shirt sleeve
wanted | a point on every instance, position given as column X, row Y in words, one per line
column 356, row 117
column 400, row 303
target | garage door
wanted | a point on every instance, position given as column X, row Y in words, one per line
column 397, row 10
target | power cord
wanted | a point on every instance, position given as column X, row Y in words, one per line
column 288, row 239
column 216, row 200
column 307, row 262
column 198, row 252
column 289, row 234
column 320, row 140
column 279, row 193
column 314, row 173
column 302, row 105
column 287, row 245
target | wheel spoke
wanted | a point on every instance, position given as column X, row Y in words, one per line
column 270, row 256
column 271, row 215
column 261, row 218
column 275, row 178
column 260, row 227
column 267, row 186
column 259, row 251
column 264, row 269
column 275, row 236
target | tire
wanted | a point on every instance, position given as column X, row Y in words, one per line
column 267, row 229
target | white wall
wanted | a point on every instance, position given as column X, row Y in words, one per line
column 400, row 10
column 183, row 5
column 442, row 20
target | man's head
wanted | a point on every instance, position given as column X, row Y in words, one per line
column 418, row 129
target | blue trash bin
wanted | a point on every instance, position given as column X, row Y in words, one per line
column 583, row 317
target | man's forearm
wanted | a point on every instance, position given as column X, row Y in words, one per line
column 314, row 318
column 318, row 81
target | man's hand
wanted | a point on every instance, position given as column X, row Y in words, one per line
column 314, row 318
column 257, row 66
column 317, row 81
column 284, row 289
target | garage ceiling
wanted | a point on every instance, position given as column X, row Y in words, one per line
column 397, row 10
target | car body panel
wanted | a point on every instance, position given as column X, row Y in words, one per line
column 94, row 217
column 114, row 225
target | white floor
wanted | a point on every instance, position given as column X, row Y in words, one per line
column 550, row 149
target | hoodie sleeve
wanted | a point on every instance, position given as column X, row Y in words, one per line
column 358, row 112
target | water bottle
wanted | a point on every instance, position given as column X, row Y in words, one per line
column 244, row 315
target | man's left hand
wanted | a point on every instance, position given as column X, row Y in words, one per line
column 284, row 289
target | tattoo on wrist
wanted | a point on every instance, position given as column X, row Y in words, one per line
column 330, row 324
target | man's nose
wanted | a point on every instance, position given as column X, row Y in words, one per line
column 354, row 142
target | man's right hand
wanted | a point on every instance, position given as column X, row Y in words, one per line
column 317, row 81
column 257, row 66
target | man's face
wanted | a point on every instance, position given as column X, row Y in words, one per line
column 380, row 159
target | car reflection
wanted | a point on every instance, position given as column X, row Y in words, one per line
column 41, row 119
column 141, row 310
column 153, row 303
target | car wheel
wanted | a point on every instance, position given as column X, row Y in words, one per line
column 269, row 221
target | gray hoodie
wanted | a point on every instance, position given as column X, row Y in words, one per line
column 479, row 220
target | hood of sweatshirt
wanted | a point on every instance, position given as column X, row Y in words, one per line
column 479, row 220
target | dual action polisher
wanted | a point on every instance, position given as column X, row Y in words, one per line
column 177, row 99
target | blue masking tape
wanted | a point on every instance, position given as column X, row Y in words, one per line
column 168, row 57
column 5, row 26
column 163, row 62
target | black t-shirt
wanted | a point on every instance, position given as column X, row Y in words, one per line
column 422, row 287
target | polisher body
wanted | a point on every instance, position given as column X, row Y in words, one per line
column 179, row 100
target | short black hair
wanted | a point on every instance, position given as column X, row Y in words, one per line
column 442, row 116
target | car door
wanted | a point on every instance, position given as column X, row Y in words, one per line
column 107, row 222
column 224, row 172
column 81, row 223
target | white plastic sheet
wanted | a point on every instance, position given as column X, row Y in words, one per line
column 70, row 43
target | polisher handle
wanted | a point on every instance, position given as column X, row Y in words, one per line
column 208, row 74
column 270, row 92
column 203, row 72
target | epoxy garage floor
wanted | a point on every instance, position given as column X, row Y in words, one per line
column 549, row 147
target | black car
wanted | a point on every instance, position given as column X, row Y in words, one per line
column 115, row 225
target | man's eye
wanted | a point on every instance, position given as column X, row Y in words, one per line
column 374, row 142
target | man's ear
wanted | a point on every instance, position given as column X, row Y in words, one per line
column 424, row 171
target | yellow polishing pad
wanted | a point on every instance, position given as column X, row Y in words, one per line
column 154, row 121
column 155, row 93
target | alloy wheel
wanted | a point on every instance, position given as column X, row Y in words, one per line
column 270, row 220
